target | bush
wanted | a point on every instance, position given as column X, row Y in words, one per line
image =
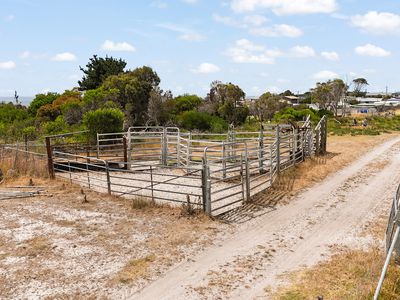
column 30, row 132
column 55, row 127
column 191, row 120
column 41, row 100
column 292, row 114
column 104, row 120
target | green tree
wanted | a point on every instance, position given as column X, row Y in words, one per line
column 96, row 98
column 98, row 69
column 359, row 85
column 134, row 89
column 40, row 100
column 266, row 106
column 105, row 120
column 226, row 101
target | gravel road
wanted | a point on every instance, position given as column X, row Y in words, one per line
column 290, row 237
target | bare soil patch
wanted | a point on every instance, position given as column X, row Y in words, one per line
column 59, row 246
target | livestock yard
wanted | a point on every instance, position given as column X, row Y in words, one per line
column 83, row 243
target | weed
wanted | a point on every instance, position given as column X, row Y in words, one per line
column 135, row 268
column 142, row 203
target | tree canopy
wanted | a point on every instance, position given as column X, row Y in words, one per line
column 98, row 69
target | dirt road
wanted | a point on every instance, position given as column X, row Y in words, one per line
column 289, row 237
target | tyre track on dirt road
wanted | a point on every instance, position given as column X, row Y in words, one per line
column 290, row 237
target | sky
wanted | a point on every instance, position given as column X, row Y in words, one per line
column 260, row 45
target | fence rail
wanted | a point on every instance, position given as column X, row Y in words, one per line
column 215, row 171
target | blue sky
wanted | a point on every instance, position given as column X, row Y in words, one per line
column 261, row 45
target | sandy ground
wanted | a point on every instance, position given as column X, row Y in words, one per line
column 290, row 237
column 55, row 246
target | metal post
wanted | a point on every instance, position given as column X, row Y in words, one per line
column 188, row 144
column 164, row 153
column 124, row 143
column 271, row 167
column 206, row 188
column 97, row 146
column 108, row 178
column 386, row 265
column 129, row 149
column 151, row 182
column 223, row 160
column 178, row 148
column 294, row 146
column 50, row 158
column 317, row 142
column 88, row 175
column 261, row 150
column 69, row 171
column 278, row 155
column 242, row 175
column 246, row 161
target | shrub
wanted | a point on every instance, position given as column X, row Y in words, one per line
column 191, row 120
column 40, row 100
column 55, row 127
column 30, row 132
column 292, row 114
column 104, row 120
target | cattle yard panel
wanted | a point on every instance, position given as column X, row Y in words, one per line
column 216, row 171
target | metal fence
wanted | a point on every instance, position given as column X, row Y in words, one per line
column 392, row 238
column 217, row 172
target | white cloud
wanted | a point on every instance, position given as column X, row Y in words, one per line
column 377, row 23
column 190, row 1
column 206, row 68
column 302, row 51
column 286, row 7
column 255, row 20
column 65, row 56
column 25, row 54
column 245, row 22
column 187, row 34
column 7, row 65
column 330, row 55
column 192, row 36
column 113, row 46
column 245, row 51
column 371, row 50
column 325, row 75
column 277, row 31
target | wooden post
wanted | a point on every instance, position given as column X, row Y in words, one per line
column 124, row 143
column 50, row 164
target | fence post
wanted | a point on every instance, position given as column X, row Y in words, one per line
column 97, row 146
column 50, row 164
column 206, row 188
column 108, row 178
column 325, row 133
column 317, row 141
column 124, row 143
column 261, row 150
column 188, row 150
column 246, row 161
column 294, row 146
column 178, row 148
column 164, row 153
column 278, row 146
column 223, row 160
column 151, row 181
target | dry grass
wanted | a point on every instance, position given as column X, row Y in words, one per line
column 135, row 268
column 36, row 246
column 61, row 241
column 349, row 274
column 342, row 150
column 14, row 164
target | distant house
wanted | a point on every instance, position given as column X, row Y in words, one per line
column 292, row 99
